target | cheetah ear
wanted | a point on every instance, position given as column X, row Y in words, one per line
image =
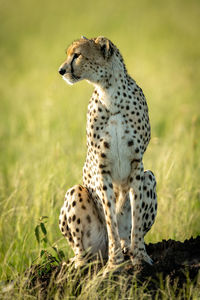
column 105, row 46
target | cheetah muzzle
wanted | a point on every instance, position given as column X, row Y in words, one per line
column 116, row 205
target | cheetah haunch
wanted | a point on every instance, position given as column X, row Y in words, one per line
column 117, row 204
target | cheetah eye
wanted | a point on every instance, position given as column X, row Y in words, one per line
column 76, row 55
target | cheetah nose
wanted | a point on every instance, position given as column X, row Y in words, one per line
column 62, row 71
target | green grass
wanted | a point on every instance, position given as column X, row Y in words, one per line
column 42, row 132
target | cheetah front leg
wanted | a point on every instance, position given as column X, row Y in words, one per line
column 109, row 206
column 137, row 247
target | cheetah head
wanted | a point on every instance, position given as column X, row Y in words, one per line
column 90, row 59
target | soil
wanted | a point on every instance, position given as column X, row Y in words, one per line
column 174, row 262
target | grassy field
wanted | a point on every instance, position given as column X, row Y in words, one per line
column 42, row 132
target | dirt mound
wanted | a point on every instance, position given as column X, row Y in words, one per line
column 174, row 261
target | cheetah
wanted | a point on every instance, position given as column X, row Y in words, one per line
column 116, row 205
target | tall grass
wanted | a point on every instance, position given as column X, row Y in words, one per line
column 42, row 132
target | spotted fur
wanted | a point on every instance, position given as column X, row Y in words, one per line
column 117, row 204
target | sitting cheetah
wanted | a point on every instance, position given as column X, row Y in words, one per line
column 117, row 204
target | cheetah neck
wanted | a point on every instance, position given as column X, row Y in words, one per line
column 111, row 94
column 114, row 85
column 107, row 97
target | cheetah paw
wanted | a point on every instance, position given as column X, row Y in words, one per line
column 78, row 262
column 141, row 257
column 114, row 267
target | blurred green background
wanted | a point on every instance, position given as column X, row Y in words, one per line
column 42, row 132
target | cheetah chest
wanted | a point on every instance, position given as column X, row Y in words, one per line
column 119, row 154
